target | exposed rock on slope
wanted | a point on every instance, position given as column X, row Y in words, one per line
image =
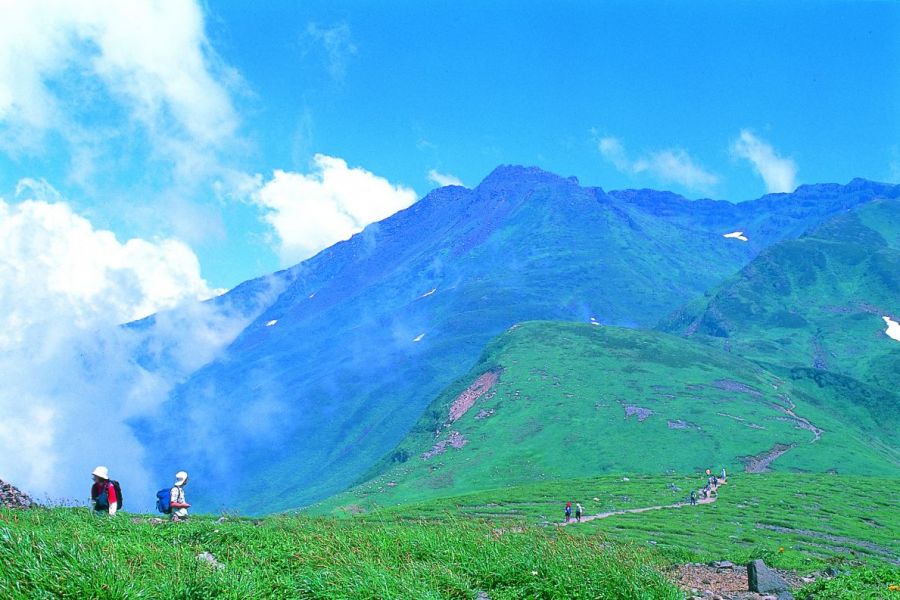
column 12, row 497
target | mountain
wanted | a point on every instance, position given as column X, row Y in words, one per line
column 333, row 373
column 818, row 309
column 552, row 401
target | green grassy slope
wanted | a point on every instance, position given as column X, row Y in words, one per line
column 68, row 553
column 817, row 302
column 817, row 519
column 574, row 400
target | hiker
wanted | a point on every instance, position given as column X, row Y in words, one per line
column 103, row 492
column 578, row 511
column 693, row 497
column 568, row 511
column 176, row 497
column 723, row 474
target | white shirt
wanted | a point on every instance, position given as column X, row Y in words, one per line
column 176, row 496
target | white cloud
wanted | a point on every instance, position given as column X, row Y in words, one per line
column 310, row 212
column 779, row 174
column 55, row 265
column 91, row 70
column 338, row 44
column 671, row 165
column 443, row 179
column 71, row 379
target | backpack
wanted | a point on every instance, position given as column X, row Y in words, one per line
column 101, row 502
column 118, row 489
column 164, row 501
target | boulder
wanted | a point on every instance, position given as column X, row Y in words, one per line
column 763, row 580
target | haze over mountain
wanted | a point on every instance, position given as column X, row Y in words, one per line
column 331, row 375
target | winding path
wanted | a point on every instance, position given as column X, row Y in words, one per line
column 604, row 515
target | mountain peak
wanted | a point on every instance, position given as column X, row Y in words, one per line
column 518, row 175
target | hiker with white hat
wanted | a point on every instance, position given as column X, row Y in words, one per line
column 103, row 492
column 176, row 497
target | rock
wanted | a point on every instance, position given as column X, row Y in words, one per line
column 722, row 565
column 763, row 580
column 785, row 595
column 210, row 559
column 12, row 497
column 221, row 519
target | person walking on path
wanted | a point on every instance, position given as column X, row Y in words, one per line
column 176, row 497
column 578, row 511
column 568, row 511
column 723, row 474
column 693, row 497
column 103, row 492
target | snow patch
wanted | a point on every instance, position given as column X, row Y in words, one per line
column 272, row 322
column 893, row 328
column 419, row 337
column 426, row 294
column 594, row 321
column 737, row 235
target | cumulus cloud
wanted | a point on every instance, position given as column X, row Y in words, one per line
column 671, row 165
column 90, row 70
column 310, row 212
column 53, row 263
column 72, row 380
column 443, row 179
column 779, row 173
column 337, row 42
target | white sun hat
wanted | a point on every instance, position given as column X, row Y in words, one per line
column 101, row 472
column 181, row 477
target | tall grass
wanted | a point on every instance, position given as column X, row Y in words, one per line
column 68, row 553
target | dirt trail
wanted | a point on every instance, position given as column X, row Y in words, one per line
column 604, row 515
column 760, row 463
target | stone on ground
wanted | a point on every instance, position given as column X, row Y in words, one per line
column 764, row 580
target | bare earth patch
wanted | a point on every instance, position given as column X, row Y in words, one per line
column 455, row 440
column 760, row 463
column 637, row 411
column 729, row 583
column 465, row 400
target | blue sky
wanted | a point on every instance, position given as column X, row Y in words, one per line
column 157, row 152
column 621, row 94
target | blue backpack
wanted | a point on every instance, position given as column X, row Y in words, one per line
column 163, row 501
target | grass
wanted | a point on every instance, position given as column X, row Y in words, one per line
column 802, row 522
column 560, row 411
column 493, row 541
column 69, row 553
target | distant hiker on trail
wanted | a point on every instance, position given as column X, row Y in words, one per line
column 568, row 511
column 103, row 492
column 176, row 497
column 723, row 474
column 693, row 497
column 578, row 511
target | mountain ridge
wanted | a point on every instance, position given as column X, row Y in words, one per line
column 329, row 377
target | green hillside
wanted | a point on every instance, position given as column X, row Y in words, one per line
column 818, row 302
column 69, row 553
column 570, row 400
column 496, row 544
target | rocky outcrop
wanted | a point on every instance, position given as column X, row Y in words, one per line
column 764, row 580
column 12, row 497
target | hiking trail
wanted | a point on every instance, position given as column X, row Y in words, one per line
column 604, row 515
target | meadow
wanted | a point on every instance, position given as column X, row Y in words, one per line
column 493, row 544
column 69, row 553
